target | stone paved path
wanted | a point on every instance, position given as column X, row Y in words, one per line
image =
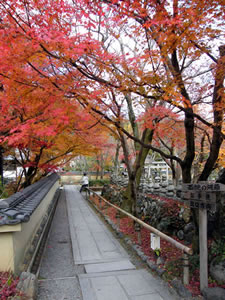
column 90, row 263
column 92, row 242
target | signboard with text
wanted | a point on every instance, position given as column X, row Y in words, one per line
column 201, row 194
column 204, row 186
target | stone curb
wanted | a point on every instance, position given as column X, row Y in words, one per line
column 27, row 285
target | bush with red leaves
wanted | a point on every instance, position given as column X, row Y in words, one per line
column 8, row 286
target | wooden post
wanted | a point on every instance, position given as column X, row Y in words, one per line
column 137, row 228
column 106, row 209
column 87, row 194
column 203, row 248
column 118, row 219
column 185, row 269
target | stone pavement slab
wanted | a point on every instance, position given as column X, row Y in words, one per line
column 109, row 267
column 122, row 285
column 92, row 242
column 59, row 289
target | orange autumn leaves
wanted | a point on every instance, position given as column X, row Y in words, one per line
column 60, row 73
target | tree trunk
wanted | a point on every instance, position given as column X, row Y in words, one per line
column 98, row 172
column 219, row 224
column 102, row 166
column 32, row 170
column 130, row 195
column 218, row 114
column 217, row 140
column 116, row 161
column 29, row 177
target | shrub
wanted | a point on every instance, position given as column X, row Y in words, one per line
column 98, row 182
column 8, row 285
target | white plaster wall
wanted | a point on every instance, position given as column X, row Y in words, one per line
column 6, row 252
column 22, row 240
column 15, row 240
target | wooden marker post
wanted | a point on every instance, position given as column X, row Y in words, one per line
column 202, row 196
column 203, row 248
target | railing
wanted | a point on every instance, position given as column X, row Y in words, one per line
column 186, row 250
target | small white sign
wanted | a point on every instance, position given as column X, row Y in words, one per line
column 155, row 241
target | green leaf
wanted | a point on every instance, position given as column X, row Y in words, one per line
column 9, row 281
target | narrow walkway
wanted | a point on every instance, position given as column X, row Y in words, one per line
column 92, row 242
column 93, row 255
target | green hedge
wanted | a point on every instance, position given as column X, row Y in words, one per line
column 98, row 182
